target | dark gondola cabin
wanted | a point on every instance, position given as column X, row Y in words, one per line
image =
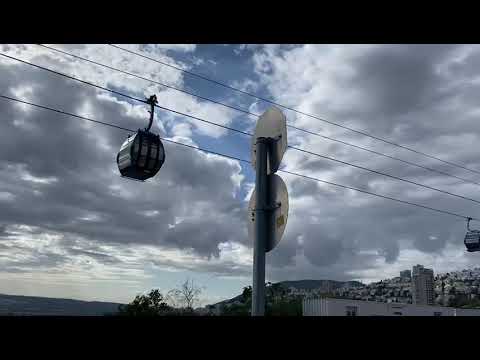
column 141, row 156
column 472, row 240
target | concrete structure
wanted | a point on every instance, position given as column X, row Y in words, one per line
column 406, row 274
column 345, row 307
column 422, row 286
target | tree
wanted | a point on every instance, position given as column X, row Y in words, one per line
column 152, row 304
column 285, row 307
column 186, row 296
column 277, row 302
column 247, row 294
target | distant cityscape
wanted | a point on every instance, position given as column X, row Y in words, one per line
column 418, row 286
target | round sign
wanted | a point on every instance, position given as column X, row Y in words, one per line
column 272, row 124
column 278, row 220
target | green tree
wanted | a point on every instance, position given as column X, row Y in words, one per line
column 152, row 304
column 285, row 307
column 236, row 310
column 247, row 294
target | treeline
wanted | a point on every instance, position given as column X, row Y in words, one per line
column 180, row 302
column 277, row 303
column 177, row 302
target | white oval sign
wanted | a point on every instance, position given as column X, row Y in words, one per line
column 272, row 124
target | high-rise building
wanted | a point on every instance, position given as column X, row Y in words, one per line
column 422, row 285
column 406, row 274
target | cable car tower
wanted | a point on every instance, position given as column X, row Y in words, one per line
column 142, row 155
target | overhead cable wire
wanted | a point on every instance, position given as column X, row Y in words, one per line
column 388, row 156
column 148, row 79
column 375, row 194
column 384, row 174
column 242, row 160
column 249, row 134
column 256, row 115
column 123, row 94
column 73, row 78
column 296, row 110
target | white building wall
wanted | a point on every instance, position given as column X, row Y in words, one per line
column 467, row 312
column 342, row 307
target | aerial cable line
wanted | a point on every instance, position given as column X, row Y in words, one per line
column 385, row 174
column 149, row 80
column 122, row 94
column 237, row 130
column 73, row 78
column 249, row 134
column 388, row 156
column 241, row 160
column 256, row 115
column 296, row 110
column 375, row 194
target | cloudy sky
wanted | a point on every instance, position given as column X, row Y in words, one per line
column 71, row 227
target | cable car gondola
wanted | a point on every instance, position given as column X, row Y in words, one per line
column 142, row 155
column 472, row 238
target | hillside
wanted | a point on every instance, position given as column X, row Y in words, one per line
column 318, row 284
column 324, row 285
column 34, row 305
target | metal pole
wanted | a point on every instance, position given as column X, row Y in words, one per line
column 261, row 228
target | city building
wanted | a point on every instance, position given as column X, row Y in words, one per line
column 422, row 286
column 347, row 307
column 406, row 274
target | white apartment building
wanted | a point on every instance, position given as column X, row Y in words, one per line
column 346, row 307
column 422, row 286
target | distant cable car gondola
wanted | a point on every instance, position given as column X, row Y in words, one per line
column 472, row 238
column 142, row 155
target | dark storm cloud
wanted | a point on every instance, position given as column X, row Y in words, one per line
column 467, row 67
column 398, row 94
column 342, row 228
column 74, row 165
column 3, row 230
column 101, row 257
column 399, row 78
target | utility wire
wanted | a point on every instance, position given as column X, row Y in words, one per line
column 375, row 194
column 73, row 78
column 249, row 134
column 384, row 174
column 295, row 110
column 239, row 159
column 387, row 156
column 149, row 80
column 65, row 113
column 253, row 114
column 122, row 94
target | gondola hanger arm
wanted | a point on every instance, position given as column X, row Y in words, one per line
column 152, row 101
column 468, row 223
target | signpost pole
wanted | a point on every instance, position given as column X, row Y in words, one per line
column 268, row 206
column 261, row 227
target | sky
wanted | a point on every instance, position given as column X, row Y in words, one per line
column 71, row 227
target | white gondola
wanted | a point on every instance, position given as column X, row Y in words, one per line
column 142, row 155
column 472, row 238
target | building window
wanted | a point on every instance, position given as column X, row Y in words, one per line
column 351, row 310
column 437, row 313
column 397, row 313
